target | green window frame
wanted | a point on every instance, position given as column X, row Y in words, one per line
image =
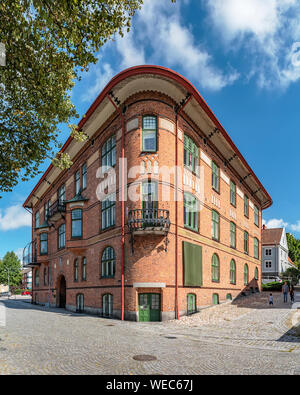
column 37, row 219
column 191, row 155
column 228, row 297
column 215, row 177
column 84, row 267
column 215, row 299
column 36, row 277
column 108, row 263
column 191, row 212
column 215, row 269
column 215, row 225
column 191, row 304
column 192, row 264
column 246, row 243
column 77, row 182
column 256, row 215
column 232, row 272
column 232, row 235
column 76, row 270
column 107, row 305
column 108, row 212
column 76, row 223
column 256, row 248
column 246, row 274
column 246, row 206
column 62, row 236
column 108, row 152
column 149, row 133
column 43, row 243
column 61, row 194
column 84, row 176
column 256, row 274
column 233, row 193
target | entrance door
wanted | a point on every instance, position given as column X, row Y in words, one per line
column 149, row 307
column 191, row 304
column 80, row 303
column 62, row 293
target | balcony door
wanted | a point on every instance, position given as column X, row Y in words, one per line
column 149, row 201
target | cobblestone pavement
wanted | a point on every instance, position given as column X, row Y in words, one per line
column 246, row 337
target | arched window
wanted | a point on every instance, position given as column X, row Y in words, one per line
column 228, row 297
column 83, row 269
column 80, row 303
column 107, row 305
column 76, row 267
column 76, row 219
column 36, row 278
column 215, row 299
column 108, row 263
column 246, row 274
column 256, row 248
column 256, row 275
column 109, row 152
column 215, row 268
column 232, row 272
column 191, row 304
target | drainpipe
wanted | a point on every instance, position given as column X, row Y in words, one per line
column 177, row 113
column 122, row 115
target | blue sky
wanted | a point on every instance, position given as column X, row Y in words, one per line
column 243, row 57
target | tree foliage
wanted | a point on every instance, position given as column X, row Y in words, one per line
column 48, row 43
column 10, row 270
column 294, row 249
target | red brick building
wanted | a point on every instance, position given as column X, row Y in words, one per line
column 173, row 239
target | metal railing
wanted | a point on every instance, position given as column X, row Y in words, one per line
column 142, row 219
column 57, row 207
column 30, row 254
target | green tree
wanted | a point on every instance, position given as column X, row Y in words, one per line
column 10, row 270
column 293, row 273
column 48, row 43
column 294, row 249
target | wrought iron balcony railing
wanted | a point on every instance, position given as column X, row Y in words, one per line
column 56, row 209
column 149, row 220
column 30, row 254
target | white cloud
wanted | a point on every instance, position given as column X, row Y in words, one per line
column 132, row 55
column 267, row 30
column 99, row 76
column 14, row 217
column 275, row 223
column 174, row 45
column 295, row 227
column 19, row 253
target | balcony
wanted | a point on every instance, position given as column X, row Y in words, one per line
column 30, row 255
column 149, row 221
column 56, row 210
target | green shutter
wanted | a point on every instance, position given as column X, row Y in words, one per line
column 192, row 265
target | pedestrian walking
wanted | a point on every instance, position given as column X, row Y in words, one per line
column 271, row 300
column 285, row 291
column 292, row 294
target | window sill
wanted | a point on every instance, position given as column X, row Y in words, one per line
column 103, row 277
column 108, row 228
column 214, row 239
column 217, row 191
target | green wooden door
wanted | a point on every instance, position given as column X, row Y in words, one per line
column 149, row 307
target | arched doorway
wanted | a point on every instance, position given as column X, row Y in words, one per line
column 61, row 292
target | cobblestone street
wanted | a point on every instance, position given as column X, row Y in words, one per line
column 239, row 338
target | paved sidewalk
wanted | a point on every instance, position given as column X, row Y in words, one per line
column 254, row 339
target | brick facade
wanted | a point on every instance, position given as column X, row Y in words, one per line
column 148, row 263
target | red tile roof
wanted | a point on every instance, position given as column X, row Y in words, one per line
column 271, row 236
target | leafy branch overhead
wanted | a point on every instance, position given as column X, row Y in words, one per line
column 48, row 43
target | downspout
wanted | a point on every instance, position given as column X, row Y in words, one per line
column 122, row 115
column 177, row 113
column 261, row 252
